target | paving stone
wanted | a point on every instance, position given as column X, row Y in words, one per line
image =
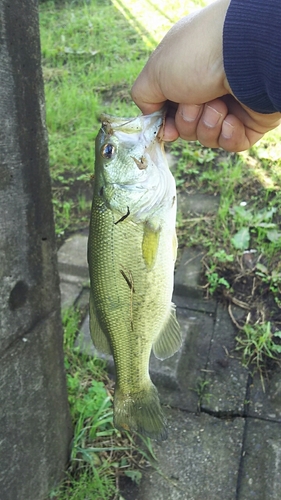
column 226, row 377
column 195, row 303
column 83, row 299
column 178, row 378
column 265, row 399
column 72, row 257
column 199, row 460
column 197, row 203
column 261, row 464
column 188, row 274
column 69, row 293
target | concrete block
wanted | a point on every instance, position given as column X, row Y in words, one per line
column 195, row 302
column 188, row 274
column 260, row 468
column 177, row 378
column 226, row 377
column 197, row 203
column 199, row 460
column 72, row 256
column 69, row 293
column 265, row 398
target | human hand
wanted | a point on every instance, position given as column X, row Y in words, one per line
column 186, row 69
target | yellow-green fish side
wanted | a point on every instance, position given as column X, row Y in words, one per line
column 131, row 262
column 132, row 303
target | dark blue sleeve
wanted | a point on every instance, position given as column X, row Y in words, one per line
column 252, row 53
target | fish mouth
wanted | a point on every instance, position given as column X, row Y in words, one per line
column 146, row 126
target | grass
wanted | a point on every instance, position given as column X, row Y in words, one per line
column 100, row 455
column 92, row 52
column 242, row 242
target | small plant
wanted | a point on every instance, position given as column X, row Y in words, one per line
column 214, row 280
column 258, row 343
column 273, row 279
column 100, row 454
column 222, row 256
column 257, row 222
column 200, row 390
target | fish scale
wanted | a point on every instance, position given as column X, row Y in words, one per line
column 131, row 262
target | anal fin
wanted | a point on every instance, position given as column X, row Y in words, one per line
column 99, row 338
column 169, row 339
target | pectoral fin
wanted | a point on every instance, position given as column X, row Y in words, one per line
column 150, row 245
column 99, row 338
column 170, row 338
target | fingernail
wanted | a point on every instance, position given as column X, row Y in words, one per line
column 189, row 112
column 226, row 130
column 211, row 116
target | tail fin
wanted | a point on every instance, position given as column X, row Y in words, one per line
column 140, row 412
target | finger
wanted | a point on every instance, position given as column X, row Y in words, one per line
column 235, row 136
column 186, row 120
column 170, row 132
column 210, row 123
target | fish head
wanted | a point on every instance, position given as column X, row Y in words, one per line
column 125, row 149
column 131, row 168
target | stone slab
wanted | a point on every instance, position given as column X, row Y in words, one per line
column 82, row 301
column 72, row 256
column 185, row 368
column 197, row 203
column 226, row 378
column 261, row 463
column 69, row 292
column 195, row 302
column 199, row 460
column 188, row 273
column 265, row 397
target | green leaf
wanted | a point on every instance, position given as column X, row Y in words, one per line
column 266, row 225
column 243, row 213
column 273, row 235
column 262, row 268
column 277, row 348
column 135, row 475
column 241, row 239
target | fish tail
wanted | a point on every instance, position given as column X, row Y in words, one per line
column 140, row 413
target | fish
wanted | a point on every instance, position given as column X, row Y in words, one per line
column 132, row 249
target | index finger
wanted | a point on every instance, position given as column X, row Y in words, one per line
column 147, row 96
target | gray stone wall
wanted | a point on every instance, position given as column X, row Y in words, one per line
column 35, row 428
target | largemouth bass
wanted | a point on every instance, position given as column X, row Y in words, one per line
column 131, row 252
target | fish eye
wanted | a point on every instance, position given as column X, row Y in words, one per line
column 108, row 151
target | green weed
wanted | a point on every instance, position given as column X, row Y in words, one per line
column 100, row 455
column 258, row 342
column 201, row 391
